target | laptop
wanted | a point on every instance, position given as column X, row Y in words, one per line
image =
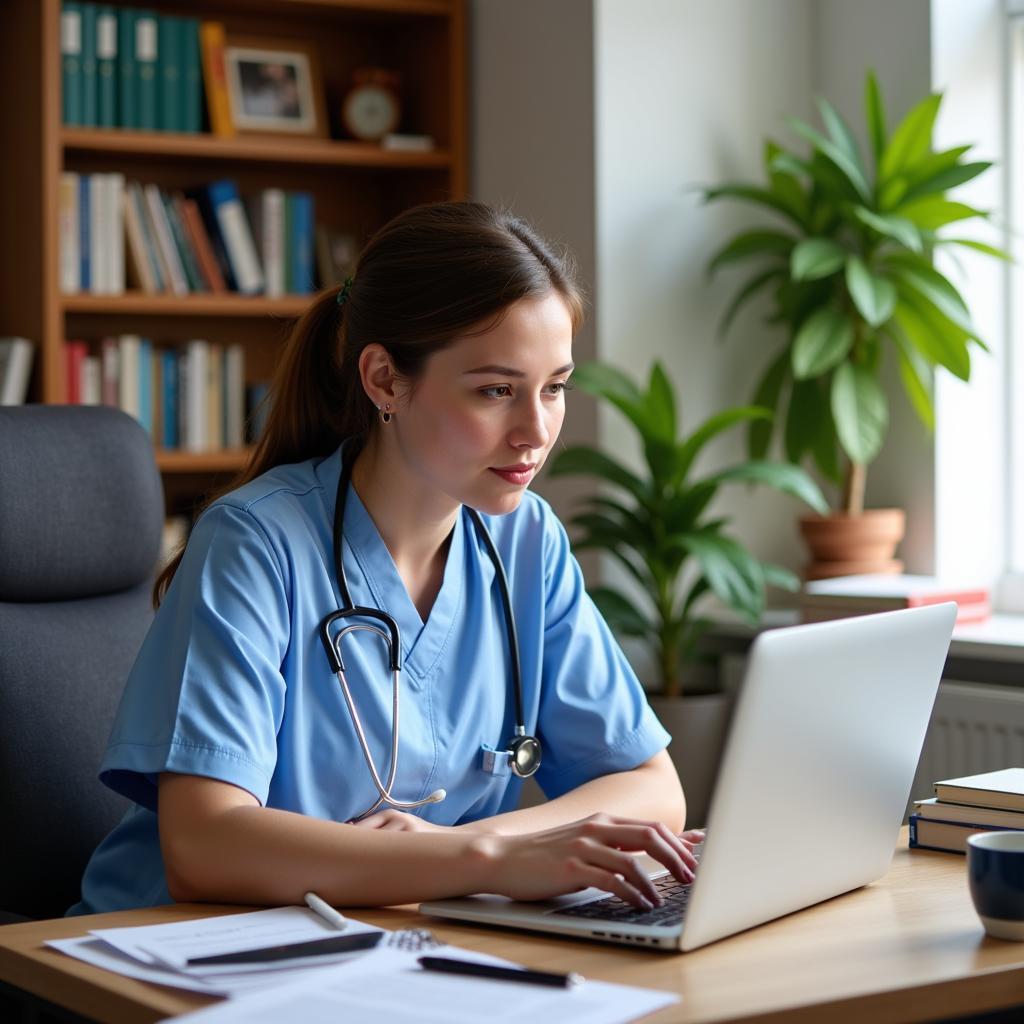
column 811, row 792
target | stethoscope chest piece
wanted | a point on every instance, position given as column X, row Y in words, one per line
column 524, row 755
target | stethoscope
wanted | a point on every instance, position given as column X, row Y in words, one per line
column 524, row 752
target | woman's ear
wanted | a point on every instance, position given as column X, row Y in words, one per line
column 377, row 373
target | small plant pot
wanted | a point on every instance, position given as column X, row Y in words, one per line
column 842, row 545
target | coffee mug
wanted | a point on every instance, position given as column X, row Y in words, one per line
column 995, row 872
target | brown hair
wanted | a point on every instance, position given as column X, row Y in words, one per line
column 430, row 275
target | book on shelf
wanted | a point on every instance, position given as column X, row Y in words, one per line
column 189, row 397
column 16, row 356
column 939, row 810
column 844, row 596
column 123, row 67
column 947, row 836
column 1000, row 789
column 211, row 44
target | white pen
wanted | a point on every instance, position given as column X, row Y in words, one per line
column 326, row 911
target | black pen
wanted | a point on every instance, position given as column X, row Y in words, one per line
column 478, row 970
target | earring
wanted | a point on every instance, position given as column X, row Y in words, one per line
column 385, row 416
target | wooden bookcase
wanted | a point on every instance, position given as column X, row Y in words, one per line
column 356, row 185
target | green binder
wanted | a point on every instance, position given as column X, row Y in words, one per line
column 191, row 77
column 145, row 69
column 89, row 65
column 169, row 78
column 71, row 61
column 127, row 106
column 106, row 66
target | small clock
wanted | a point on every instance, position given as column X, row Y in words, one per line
column 372, row 107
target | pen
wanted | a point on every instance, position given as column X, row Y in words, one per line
column 323, row 909
column 477, row 970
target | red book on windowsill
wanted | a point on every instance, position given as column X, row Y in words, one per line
column 844, row 596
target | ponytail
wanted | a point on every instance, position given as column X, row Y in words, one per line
column 431, row 274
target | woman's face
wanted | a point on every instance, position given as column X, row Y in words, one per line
column 481, row 419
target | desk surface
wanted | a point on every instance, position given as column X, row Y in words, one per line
column 908, row 947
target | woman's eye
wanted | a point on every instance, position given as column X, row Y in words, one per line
column 498, row 391
column 560, row 386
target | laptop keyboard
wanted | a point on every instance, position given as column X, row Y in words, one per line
column 674, row 895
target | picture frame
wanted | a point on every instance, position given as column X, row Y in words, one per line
column 275, row 87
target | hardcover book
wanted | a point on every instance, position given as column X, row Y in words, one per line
column 1002, row 789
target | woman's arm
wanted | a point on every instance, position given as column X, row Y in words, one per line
column 650, row 792
column 219, row 844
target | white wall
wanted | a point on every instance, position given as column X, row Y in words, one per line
column 685, row 93
column 532, row 139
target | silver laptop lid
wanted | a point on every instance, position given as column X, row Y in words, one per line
column 818, row 766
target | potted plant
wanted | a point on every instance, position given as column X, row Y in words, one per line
column 852, row 279
column 658, row 526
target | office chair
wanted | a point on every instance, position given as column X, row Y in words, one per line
column 81, row 514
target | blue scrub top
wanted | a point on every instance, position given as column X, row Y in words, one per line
column 232, row 681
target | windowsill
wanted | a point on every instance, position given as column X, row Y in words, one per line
column 1000, row 638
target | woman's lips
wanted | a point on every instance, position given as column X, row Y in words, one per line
column 519, row 475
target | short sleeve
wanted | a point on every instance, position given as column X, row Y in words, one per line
column 594, row 715
column 206, row 695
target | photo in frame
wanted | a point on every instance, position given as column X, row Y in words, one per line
column 274, row 87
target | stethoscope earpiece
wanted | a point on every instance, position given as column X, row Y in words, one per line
column 524, row 751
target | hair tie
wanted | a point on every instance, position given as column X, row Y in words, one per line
column 343, row 291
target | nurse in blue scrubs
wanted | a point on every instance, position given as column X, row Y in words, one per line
column 435, row 379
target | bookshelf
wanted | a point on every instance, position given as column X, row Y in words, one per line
column 356, row 186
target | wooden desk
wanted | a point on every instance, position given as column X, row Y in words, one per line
column 908, row 947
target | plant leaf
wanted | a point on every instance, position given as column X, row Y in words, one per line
column 661, row 405
column 948, row 177
column 899, row 229
column 821, row 343
column 611, row 384
column 755, row 284
column 860, row 412
column 816, row 257
column 874, row 111
column 970, row 243
column 780, row 476
column 921, row 277
column 825, row 450
column 911, row 139
column 785, row 184
column 590, row 461
column 772, row 199
column 841, row 135
column 777, row 576
column 690, row 448
column 917, row 379
column 752, row 243
column 620, row 613
column 929, row 213
column 836, row 155
column 874, row 296
column 734, row 575
column 939, row 340
column 759, row 434
column 802, row 418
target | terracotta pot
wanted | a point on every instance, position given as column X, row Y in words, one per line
column 842, row 545
column 698, row 726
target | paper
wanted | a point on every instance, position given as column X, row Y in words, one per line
column 388, row 987
column 173, row 945
column 98, row 953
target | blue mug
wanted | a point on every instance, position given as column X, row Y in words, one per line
column 995, row 871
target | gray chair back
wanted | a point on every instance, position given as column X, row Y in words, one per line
column 81, row 513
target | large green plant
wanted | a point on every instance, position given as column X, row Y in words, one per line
column 656, row 524
column 852, row 274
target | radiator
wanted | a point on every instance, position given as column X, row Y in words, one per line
column 974, row 728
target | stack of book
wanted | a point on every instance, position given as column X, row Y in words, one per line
column 130, row 68
column 991, row 802
column 190, row 397
column 845, row 596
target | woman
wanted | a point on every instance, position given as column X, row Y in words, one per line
column 431, row 385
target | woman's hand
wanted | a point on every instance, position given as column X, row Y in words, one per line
column 398, row 821
column 597, row 851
